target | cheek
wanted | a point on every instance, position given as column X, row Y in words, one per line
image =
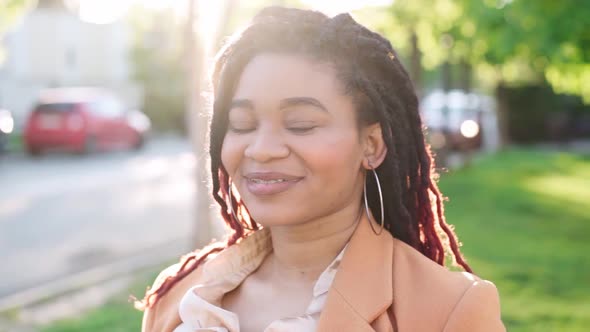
column 333, row 156
column 231, row 154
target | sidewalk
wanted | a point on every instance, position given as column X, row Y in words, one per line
column 69, row 297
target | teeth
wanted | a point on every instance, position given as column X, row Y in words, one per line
column 267, row 181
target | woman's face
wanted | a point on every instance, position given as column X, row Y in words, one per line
column 293, row 149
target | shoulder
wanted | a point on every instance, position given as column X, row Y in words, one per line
column 448, row 301
column 164, row 312
column 220, row 262
column 478, row 309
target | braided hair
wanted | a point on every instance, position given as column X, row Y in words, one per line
column 383, row 93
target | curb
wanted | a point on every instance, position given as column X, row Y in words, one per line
column 150, row 257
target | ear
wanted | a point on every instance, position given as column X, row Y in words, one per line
column 375, row 149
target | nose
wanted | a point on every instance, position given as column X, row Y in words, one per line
column 266, row 145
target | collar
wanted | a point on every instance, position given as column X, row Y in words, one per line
column 226, row 270
column 361, row 291
column 363, row 286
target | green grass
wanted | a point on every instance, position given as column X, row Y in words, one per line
column 15, row 142
column 117, row 315
column 522, row 217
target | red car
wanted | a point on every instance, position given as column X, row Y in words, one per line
column 83, row 120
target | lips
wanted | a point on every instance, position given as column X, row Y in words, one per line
column 269, row 183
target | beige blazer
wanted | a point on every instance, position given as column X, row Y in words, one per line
column 382, row 284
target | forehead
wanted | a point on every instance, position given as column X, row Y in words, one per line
column 272, row 77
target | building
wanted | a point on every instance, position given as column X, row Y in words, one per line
column 51, row 47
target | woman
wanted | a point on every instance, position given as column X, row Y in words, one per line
column 320, row 167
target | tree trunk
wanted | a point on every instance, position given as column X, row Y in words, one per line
column 229, row 8
column 502, row 110
column 416, row 63
column 197, row 127
column 446, row 76
column 465, row 76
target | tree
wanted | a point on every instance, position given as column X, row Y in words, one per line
column 156, row 55
column 503, row 42
column 520, row 42
column 543, row 37
column 10, row 12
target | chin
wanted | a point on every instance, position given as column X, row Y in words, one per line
column 271, row 220
column 274, row 216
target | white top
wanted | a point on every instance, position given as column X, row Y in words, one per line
column 200, row 308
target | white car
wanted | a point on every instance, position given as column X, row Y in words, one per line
column 457, row 120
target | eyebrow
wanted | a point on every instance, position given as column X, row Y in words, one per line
column 242, row 103
column 285, row 103
column 296, row 101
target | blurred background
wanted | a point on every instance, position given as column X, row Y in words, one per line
column 103, row 172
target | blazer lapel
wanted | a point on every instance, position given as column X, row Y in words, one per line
column 362, row 288
column 360, row 293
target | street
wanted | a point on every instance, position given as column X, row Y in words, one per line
column 61, row 214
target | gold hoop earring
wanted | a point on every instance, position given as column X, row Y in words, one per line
column 380, row 200
column 231, row 208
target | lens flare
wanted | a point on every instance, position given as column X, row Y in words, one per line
column 469, row 128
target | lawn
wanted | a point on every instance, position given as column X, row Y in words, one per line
column 117, row 315
column 522, row 218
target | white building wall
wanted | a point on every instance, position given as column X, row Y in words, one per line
column 52, row 47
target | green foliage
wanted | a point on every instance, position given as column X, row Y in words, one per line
column 157, row 57
column 523, row 220
column 510, row 41
column 544, row 37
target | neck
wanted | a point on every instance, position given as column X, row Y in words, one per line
column 304, row 251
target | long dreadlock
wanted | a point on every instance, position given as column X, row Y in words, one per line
column 382, row 91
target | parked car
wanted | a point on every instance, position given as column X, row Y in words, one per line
column 83, row 120
column 455, row 119
column 6, row 128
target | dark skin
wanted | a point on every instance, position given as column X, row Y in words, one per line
column 290, row 116
column 327, row 162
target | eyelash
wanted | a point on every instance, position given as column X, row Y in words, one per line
column 240, row 131
column 296, row 130
column 301, row 130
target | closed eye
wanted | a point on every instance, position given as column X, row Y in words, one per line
column 237, row 129
column 301, row 129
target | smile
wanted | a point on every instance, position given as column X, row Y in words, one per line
column 267, row 181
column 265, row 184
